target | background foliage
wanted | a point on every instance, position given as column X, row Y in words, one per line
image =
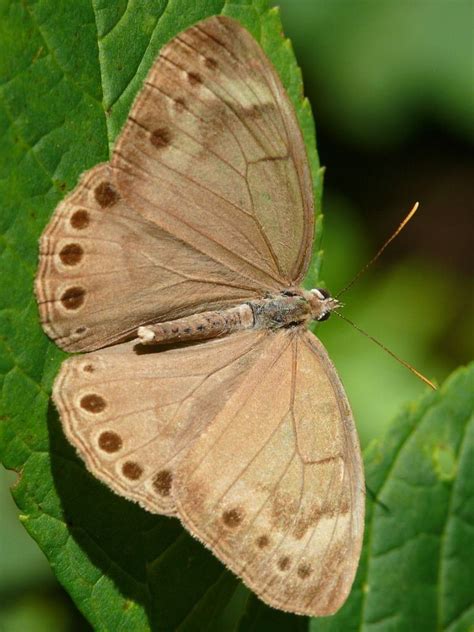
column 388, row 85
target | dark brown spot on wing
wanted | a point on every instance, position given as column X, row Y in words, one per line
column 93, row 403
column 263, row 541
column 210, row 63
column 110, row 442
column 162, row 482
column 194, row 79
column 258, row 110
column 160, row 137
column 233, row 517
column 89, row 368
column 180, row 104
column 73, row 297
column 284, row 563
column 106, row 195
column 132, row 470
column 304, row 571
column 80, row 219
column 71, row 254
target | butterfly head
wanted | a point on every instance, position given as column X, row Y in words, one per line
column 322, row 304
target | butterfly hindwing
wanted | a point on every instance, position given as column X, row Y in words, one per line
column 274, row 486
column 132, row 412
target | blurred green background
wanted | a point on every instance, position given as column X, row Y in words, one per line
column 392, row 89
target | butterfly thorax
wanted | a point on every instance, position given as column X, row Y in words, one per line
column 289, row 308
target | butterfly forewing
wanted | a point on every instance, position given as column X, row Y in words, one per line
column 132, row 413
column 207, row 202
column 212, row 146
column 274, row 486
column 105, row 270
column 76, row 272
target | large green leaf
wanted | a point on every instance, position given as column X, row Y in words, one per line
column 68, row 75
column 67, row 80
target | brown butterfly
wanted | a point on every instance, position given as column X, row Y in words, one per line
column 197, row 233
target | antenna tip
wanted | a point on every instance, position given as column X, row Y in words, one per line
column 407, row 218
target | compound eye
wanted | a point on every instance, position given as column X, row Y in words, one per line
column 322, row 292
column 324, row 316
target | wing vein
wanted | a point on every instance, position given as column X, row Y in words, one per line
column 200, row 232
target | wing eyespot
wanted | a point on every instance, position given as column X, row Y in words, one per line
column 93, row 403
column 233, row 517
column 162, row 482
column 71, row 254
column 80, row 219
column 106, row 195
column 110, row 442
column 132, row 470
column 73, row 298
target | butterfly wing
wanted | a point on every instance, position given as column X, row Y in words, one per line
column 131, row 412
column 207, row 201
column 274, row 486
column 213, row 144
column 105, row 270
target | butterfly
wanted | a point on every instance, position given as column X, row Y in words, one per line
column 176, row 266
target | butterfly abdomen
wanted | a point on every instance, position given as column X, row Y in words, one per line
column 272, row 312
column 198, row 326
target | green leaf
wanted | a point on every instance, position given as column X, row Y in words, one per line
column 417, row 567
column 67, row 81
column 68, row 75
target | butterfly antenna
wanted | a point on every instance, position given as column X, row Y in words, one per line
column 382, row 346
column 377, row 255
